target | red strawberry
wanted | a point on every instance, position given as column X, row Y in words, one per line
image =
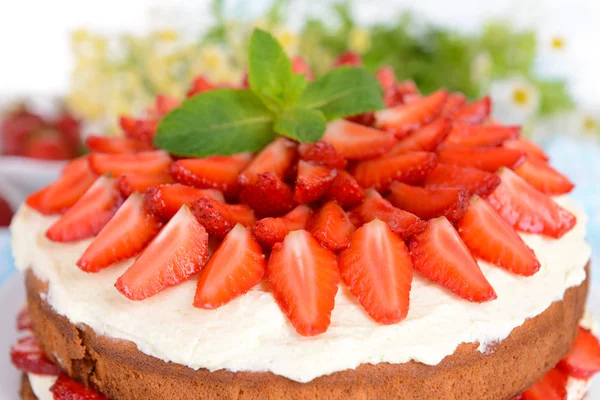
column 331, row 226
column 322, row 153
column 70, row 128
column 387, row 79
column 268, row 196
column 378, row 271
column 551, row 387
column 313, row 182
column 583, row 360
column 407, row 92
column 300, row 66
column 491, row 239
column 481, row 135
column 234, row 268
column 428, row 138
column 24, row 320
column 440, row 255
column 6, row 213
column 366, row 119
column 357, row 142
column 345, row 190
column 200, row 85
column 131, row 183
column 348, row 58
column 165, row 104
column 123, row 237
column 88, row 216
column 278, row 158
column 531, row 149
column 115, row 144
column 128, row 125
column 48, row 145
column 304, row 278
column 428, row 203
column 66, row 388
column 60, row 195
column 543, row 177
column 406, row 118
column 166, row 200
column 381, row 172
column 140, row 129
column 490, row 159
column 269, row 231
column 15, row 129
column 28, row 356
column 402, row 223
column 454, row 103
column 179, row 251
column 219, row 218
column 147, row 162
column 528, row 209
column 475, row 181
column 476, row 112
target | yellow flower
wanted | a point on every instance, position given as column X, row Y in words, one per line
column 288, row 40
column 212, row 58
column 590, row 124
column 359, row 40
column 167, row 35
column 557, row 43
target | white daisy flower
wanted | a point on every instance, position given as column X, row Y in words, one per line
column 515, row 100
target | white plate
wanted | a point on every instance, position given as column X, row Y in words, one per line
column 12, row 297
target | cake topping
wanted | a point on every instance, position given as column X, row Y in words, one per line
column 583, row 360
column 271, row 230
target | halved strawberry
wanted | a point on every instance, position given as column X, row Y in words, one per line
column 543, row 177
column 200, row 85
column 147, row 162
column 491, row 239
column 278, row 157
column 381, row 172
column 313, row 182
column 66, row 388
column 454, row 103
column 583, row 360
column 378, row 271
column 331, row 226
column 553, row 386
column 475, row 112
column 349, row 58
column 268, row 196
column 219, row 218
column 428, row 138
column 440, row 255
column 357, row 142
column 59, row 196
column 322, row 153
column 345, row 190
column 140, row 129
column 402, row 223
column 178, row 252
column 406, row 118
column 124, row 236
column 24, row 320
column 131, row 183
column 115, row 144
column 269, row 231
column 300, row 66
column 490, row 159
column 428, row 203
column 481, row 135
column 475, row 181
column 88, row 216
column 218, row 172
column 166, row 200
column 234, row 268
column 528, row 209
column 304, row 278
column 27, row 356
column 531, row 149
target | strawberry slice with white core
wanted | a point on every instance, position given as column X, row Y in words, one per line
column 115, row 144
column 304, row 278
column 440, row 255
column 377, row 269
column 528, row 209
column 583, row 360
column 345, row 190
column 553, row 386
column 475, row 181
column 219, row 218
column 234, row 268
column 66, row 388
column 357, row 142
column 131, row 183
column 476, row 112
column 481, row 135
column 124, row 236
column 491, row 159
column 428, row 138
column 331, row 226
column 531, row 149
column 27, row 356
column 428, row 203
column 313, row 182
column 269, row 231
column 179, row 251
column 543, row 177
column 146, row 162
column 89, row 215
column 278, row 157
column 166, row 200
column 268, row 196
column 491, row 239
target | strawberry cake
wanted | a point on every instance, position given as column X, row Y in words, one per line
column 413, row 249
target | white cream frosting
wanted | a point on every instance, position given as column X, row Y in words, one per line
column 41, row 384
column 252, row 334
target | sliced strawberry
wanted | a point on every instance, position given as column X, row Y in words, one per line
column 583, row 360
column 531, row 149
column 178, row 252
column 345, row 190
column 476, row 112
column 387, row 79
column 115, row 144
column 128, row 125
column 553, row 386
column 123, row 237
column 543, row 177
column 428, row 203
column 278, row 158
column 300, row 66
column 528, row 209
column 165, row 104
column 402, row 223
column 481, row 135
column 491, row 239
column 166, row 200
column 491, row 159
column 428, row 138
column 24, row 320
column 331, row 226
column 381, row 172
column 140, row 129
column 147, row 162
column 454, row 103
column 88, row 216
column 60, row 195
column 378, row 271
column 200, row 85
column 366, row 119
column 313, row 182
column 28, row 356
column 66, row 388
column 440, row 255
column 269, row 231
column 322, row 153
column 219, row 218
column 357, row 142
column 139, row 183
column 349, row 58
column 475, row 181
column 48, row 144
column 304, row 278
column 406, row 118
column 268, row 196
column 234, row 268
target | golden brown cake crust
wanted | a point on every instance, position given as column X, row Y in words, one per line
column 121, row 372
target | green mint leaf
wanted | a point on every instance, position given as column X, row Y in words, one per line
column 343, row 92
column 294, row 89
column 301, row 124
column 224, row 121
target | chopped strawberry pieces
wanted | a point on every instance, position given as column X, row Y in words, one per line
column 428, row 138
column 147, row 162
column 553, row 386
column 278, row 158
column 439, row 254
column 115, row 144
column 428, row 203
column 124, row 236
column 66, row 388
column 269, row 231
column 491, row 239
column 268, row 196
column 349, row 58
column 300, row 66
column 345, row 190
column 357, row 142
column 531, row 149
column 28, row 356
column 475, row 181
column 476, row 112
column 304, row 278
column 331, row 226
column 481, row 135
column 528, row 209
column 139, row 183
column 200, row 85
column 179, row 251
column 166, row 200
column 454, row 103
column 235, row 267
column 407, row 92
column 165, row 104
column 322, row 153
column 543, row 177
column 583, row 360
column 219, row 218
column 24, row 320
column 491, row 159
column 139, row 129
column 377, row 269
column 313, row 182
column 387, row 80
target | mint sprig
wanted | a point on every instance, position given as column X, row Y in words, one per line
column 229, row 121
